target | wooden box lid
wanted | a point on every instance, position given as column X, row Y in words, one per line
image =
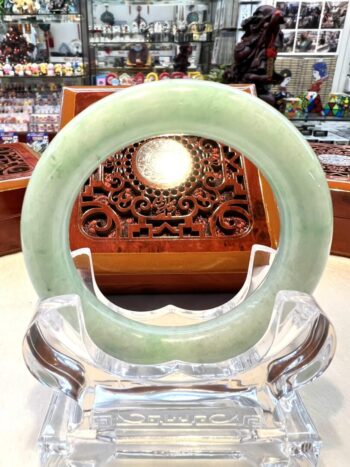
column 17, row 162
column 196, row 237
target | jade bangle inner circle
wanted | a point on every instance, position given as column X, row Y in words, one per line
column 196, row 108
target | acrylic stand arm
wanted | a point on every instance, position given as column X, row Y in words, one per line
column 296, row 348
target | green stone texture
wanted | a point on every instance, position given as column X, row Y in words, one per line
column 188, row 107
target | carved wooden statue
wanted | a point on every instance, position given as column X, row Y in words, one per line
column 181, row 61
column 255, row 54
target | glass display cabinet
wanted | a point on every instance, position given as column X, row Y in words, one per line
column 42, row 49
column 148, row 38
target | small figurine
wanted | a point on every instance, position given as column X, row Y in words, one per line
column 43, row 69
column 134, row 27
column 181, row 62
column 125, row 79
column 35, row 69
column 139, row 55
column 319, row 74
column 78, row 68
column 50, row 69
column 28, row 69
column 68, row 69
column 58, row 69
column 256, row 53
column 194, row 31
column 283, row 91
column 25, row 7
column 8, row 70
column 19, row 69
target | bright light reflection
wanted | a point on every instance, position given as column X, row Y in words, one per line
column 164, row 163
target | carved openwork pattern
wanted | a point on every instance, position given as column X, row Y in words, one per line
column 117, row 202
column 11, row 163
column 337, row 165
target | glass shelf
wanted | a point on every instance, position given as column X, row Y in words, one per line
column 41, row 17
column 134, row 69
column 42, row 77
column 156, row 2
column 109, row 43
column 318, row 118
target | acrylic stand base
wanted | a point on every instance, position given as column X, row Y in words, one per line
column 245, row 411
column 249, row 429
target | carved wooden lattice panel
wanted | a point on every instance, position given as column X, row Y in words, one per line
column 12, row 163
column 335, row 160
column 119, row 203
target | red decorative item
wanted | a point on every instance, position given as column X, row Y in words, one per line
column 110, row 77
column 271, row 52
column 14, row 48
column 139, row 78
column 164, row 75
column 178, row 75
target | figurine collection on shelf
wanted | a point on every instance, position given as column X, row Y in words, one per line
column 42, row 7
column 126, row 79
column 138, row 29
column 160, row 31
column 67, row 69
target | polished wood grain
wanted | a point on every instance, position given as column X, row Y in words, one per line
column 169, row 263
column 17, row 162
column 338, row 177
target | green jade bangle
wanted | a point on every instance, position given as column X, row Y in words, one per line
column 189, row 107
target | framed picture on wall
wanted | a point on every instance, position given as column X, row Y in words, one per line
column 328, row 41
column 334, row 15
column 310, row 15
column 306, row 42
column 312, row 27
column 290, row 13
column 288, row 41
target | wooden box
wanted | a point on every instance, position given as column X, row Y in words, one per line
column 17, row 162
column 146, row 239
column 335, row 161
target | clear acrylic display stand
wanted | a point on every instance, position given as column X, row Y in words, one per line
column 246, row 410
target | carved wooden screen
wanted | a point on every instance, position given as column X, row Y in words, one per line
column 214, row 203
column 17, row 162
column 335, row 161
column 190, row 237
